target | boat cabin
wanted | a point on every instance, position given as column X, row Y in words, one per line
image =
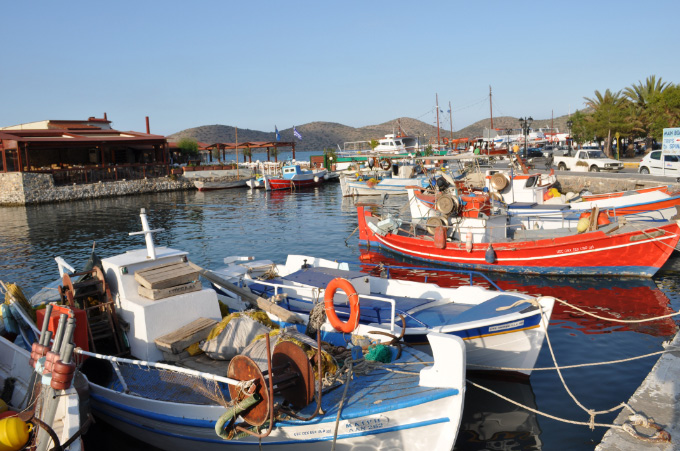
column 397, row 144
column 150, row 319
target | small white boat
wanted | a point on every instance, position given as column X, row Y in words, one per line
column 500, row 329
column 187, row 404
column 210, row 184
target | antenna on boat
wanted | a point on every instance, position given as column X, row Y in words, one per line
column 148, row 235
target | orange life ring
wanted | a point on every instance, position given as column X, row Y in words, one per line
column 346, row 286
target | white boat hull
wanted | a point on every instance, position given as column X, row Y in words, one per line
column 426, row 427
column 14, row 362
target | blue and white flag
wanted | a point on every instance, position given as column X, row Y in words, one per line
column 278, row 135
column 296, row 133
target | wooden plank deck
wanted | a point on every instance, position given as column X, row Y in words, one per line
column 166, row 276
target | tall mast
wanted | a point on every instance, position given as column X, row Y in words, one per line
column 552, row 128
column 437, row 98
column 490, row 109
column 237, row 174
column 451, row 120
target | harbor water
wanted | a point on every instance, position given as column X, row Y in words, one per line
column 320, row 222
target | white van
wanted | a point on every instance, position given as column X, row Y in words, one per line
column 658, row 162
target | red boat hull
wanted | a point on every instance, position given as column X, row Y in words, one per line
column 280, row 184
column 635, row 253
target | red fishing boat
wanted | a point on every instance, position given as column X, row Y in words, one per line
column 610, row 247
column 293, row 177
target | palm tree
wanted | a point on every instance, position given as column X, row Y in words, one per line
column 373, row 143
column 640, row 95
column 608, row 116
column 601, row 100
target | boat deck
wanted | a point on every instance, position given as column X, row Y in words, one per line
column 414, row 309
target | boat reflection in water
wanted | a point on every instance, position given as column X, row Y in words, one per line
column 491, row 423
column 622, row 298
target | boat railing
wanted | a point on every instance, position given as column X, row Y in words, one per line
column 315, row 293
column 161, row 366
column 470, row 274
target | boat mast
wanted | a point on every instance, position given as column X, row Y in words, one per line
column 437, row 99
column 490, row 109
column 451, row 120
column 237, row 174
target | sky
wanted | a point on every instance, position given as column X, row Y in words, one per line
column 260, row 64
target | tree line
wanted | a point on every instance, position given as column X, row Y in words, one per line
column 638, row 112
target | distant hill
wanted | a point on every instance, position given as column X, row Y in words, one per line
column 319, row 135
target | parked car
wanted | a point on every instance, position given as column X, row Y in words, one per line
column 658, row 162
column 586, row 160
column 538, row 158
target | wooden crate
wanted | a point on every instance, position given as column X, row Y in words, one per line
column 162, row 293
column 166, row 275
column 177, row 341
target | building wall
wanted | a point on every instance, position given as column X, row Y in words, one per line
column 31, row 188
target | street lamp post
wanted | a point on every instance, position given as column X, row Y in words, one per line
column 571, row 140
column 525, row 123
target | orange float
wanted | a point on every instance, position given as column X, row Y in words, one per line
column 346, row 286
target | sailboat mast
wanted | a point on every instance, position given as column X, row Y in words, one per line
column 451, row 119
column 237, row 174
column 490, row 109
column 437, row 99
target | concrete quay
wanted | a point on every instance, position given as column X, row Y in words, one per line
column 659, row 398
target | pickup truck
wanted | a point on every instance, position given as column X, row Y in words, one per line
column 587, row 160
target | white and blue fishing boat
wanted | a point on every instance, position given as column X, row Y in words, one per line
column 177, row 401
column 500, row 329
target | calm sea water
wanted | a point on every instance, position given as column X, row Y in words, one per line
column 320, row 222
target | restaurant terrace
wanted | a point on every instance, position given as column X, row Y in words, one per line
column 82, row 151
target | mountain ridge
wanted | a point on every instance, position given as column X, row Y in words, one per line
column 318, row 135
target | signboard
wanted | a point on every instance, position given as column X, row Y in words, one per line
column 671, row 141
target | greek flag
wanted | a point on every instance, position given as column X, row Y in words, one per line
column 278, row 135
column 296, row 133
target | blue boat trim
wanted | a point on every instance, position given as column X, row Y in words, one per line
column 433, row 395
column 281, row 442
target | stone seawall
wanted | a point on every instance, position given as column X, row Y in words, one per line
column 29, row 188
column 599, row 185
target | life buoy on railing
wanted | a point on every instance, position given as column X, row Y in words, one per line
column 346, row 286
column 385, row 164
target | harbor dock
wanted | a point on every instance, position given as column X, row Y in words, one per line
column 658, row 399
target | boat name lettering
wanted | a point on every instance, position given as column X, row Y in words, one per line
column 366, row 425
column 576, row 249
column 506, row 326
column 313, row 432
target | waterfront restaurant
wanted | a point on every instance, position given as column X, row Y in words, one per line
column 82, row 151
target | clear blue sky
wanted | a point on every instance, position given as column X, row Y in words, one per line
column 256, row 64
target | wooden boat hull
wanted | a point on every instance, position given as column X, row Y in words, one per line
column 636, row 253
column 273, row 184
column 425, row 419
column 209, row 185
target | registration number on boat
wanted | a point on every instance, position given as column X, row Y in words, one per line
column 506, row 326
column 576, row 249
